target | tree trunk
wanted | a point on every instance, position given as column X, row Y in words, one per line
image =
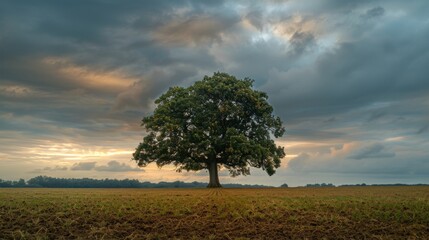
column 214, row 177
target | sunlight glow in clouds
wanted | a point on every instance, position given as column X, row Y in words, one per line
column 113, row 81
column 394, row 139
column 348, row 79
column 74, row 152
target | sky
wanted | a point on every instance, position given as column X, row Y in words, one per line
column 349, row 79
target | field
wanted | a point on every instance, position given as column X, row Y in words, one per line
column 296, row 213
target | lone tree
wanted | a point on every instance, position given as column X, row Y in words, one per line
column 219, row 121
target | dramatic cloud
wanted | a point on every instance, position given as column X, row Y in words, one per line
column 193, row 30
column 349, row 79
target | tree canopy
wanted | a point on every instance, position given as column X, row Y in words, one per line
column 220, row 121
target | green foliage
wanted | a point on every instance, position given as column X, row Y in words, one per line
column 221, row 119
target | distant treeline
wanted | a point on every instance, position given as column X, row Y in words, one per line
column 51, row 182
column 382, row 185
column 320, row 185
column 363, row 185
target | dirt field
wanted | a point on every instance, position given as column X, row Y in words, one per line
column 296, row 213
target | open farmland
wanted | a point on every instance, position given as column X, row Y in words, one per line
column 333, row 213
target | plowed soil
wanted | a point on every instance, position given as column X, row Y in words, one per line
column 292, row 213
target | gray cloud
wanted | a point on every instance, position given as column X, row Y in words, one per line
column 115, row 166
column 49, row 169
column 315, row 134
column 143, row 93
column 376, row 115
column 112, row 166
column 301, row 41
column 375, row 150
column 374, row 12
column 338, row 82
column 423, row 129
column 373, row 159
column 56, row 168
column 83, row 166
column 194, row 30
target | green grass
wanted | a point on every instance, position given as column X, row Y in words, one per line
column 332, row 213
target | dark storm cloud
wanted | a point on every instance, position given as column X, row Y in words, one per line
column 69, row 42
column 144, row 91
column 73, row 41
column 339, row 73
column 385, row 65
column 90, row 34
column 301, row 41
column 372, row 151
